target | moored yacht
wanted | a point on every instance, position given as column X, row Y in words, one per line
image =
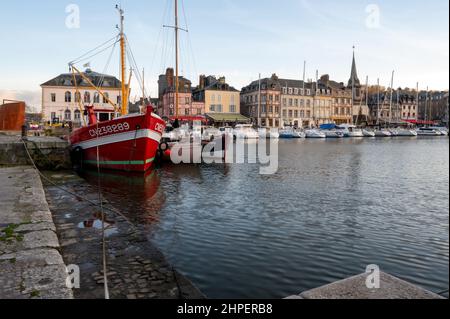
column 382, row 133
column 245, row 131
column 315, row 133
column 427, row 131
column 368, row 133
column 351, row 130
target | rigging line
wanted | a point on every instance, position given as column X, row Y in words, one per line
column 93, row 55
column 102, row 79
column 160, row 33
column 93, row 50
column 112, row 210
column 133, row 60
column 191, row 49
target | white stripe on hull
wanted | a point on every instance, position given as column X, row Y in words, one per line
column 117, row 138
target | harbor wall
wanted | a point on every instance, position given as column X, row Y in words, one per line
column 12, row 116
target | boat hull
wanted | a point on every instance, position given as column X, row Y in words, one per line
column 128, row 143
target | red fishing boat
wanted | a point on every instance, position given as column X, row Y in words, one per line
column 129, row 142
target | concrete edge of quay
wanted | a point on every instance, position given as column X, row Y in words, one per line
column 355, row 288
column 30, row 258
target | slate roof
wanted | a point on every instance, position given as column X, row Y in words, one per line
column 99, row 80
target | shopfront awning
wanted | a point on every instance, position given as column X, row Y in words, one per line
column 228, row 118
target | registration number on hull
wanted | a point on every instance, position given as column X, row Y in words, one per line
column 110, row 129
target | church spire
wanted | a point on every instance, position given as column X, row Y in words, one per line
column 354, row 80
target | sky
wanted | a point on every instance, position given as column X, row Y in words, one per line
column 237, row 39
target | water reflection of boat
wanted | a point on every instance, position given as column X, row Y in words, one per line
column 143, row 197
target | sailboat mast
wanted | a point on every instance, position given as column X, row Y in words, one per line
column 378, row 101
column 390, row 103
column 259, row 101
column 176, row 60
column 123, row 65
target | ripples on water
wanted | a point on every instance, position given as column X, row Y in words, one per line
column 333, row 208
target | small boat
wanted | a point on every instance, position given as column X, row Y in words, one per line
column 383, row 133
column 287, row 133
column 426, row 131
column 442, row 130
column 299, row 133
column 368, row 133
column 268, row 133
column 333, row 134
column 351, row 130
column 314, row 133
column 394, row 132
column 245, row 131
column 211, row 134
column 406, row 132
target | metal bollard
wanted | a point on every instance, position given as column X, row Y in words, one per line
column 24, row 131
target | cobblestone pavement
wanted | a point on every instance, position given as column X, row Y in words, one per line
column 30, row 263
column 136, row 269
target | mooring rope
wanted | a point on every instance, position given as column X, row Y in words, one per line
column 105, row 268
column 100, row 199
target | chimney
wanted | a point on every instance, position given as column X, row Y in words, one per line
column 170, row 77
column 222, row 80
column 202, row 82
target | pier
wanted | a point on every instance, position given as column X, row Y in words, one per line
column 30, row 262
column 355, row 288
column 47, row 152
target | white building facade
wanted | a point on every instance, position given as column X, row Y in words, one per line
column 61, row 103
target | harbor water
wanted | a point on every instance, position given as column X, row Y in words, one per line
column 333, row 207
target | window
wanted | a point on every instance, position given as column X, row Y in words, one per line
column 290, row 91
column 212, row 108
column 187, row 100
column 232, row 108
column 277, row 98
column 296, row 102
column 295, row 113
column 290, row 102
column 302, row 102
column 302, row 91
column 302, row 113
column 199, row 111
column 186, row 111
column 285, row 102
column 53, row 97
column 219, row 108
column 296, row 91
column 271, row 109
column 67, row 115
column 213, row 98
column 308, row 92
column 68, row 97
column 284, row 113
column 77, row 115
column 219, row 98
column 77, row 97
column 96, row 97
column 277, row 109
column 336, row 111
column 284, row 90
column 308, row 103
column 290, row 113
column 87, row 97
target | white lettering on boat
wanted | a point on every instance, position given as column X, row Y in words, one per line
column 110, row 129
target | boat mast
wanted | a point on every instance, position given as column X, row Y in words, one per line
column 390, row 103
column 176, row 60
column 259, row 101
column 378, row 101
column 123, row 62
